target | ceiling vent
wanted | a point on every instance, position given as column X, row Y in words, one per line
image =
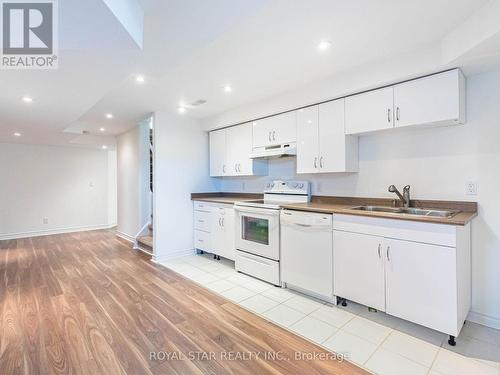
column 198, row 103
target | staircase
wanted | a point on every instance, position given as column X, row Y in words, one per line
column 144, row 239
column 145, row 242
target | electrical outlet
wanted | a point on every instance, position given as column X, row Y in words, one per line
column 471, row 188
column 45, row 220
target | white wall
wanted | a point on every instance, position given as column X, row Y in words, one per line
column 134, row 206
column 66, row 185
column 437, row 163
column 181, row 168
column 112, row 188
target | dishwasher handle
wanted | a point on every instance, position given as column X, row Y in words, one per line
column 308, row 227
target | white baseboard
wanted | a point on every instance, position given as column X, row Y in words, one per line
column 125, row 236
column 174, row 255
column 483, row 319
column 48, row 232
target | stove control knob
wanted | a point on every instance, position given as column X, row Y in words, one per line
column 301, row 186
column 295, row 186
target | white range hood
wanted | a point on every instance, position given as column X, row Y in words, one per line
column 273, row 152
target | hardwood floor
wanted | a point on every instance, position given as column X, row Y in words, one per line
column 86, row 303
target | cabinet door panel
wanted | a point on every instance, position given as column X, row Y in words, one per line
column 332, row 138
column 275, row 130
column 358, row 268
column 217, row 153
column 217, row 239
column 421, row 284
column 239, row 146
column 307, row 140
column 369, row 111
column 433, row 99
column 228, row 222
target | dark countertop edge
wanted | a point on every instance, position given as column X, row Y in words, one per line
column 209, row 197
column 465, row 207
column 383, row 215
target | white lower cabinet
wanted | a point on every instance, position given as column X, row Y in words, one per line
column 223, row 240
column 359, row 268
column 421, row 284
column 214, row 229
column 381, row 264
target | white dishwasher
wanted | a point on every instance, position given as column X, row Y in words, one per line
column 307, row 252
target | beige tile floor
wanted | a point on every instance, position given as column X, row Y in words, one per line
column 375, row 341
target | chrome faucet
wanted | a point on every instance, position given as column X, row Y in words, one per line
column 405, row 197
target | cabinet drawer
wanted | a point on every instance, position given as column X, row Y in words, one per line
column 202, row 220
column 202, row 206
column 261, row 268
column 202, row 240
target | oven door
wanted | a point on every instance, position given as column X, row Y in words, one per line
column 258, row 231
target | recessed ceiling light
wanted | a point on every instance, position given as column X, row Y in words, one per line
column 324, row 45
column 16, row 134
column 228, row 89
column 182, row 109
column 109, row 115
column 104, row 147
column 139, row 79
column 102, row 129
column 27, row 99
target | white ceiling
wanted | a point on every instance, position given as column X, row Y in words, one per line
column 193, row 47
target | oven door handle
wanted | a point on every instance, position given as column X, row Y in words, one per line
column 260, row 211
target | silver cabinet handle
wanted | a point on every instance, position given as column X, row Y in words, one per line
column 270, row 136
column 222, row 221
column 219, row 222
column 388, row 253
column 224, row 169
column 274, row 135
column 388, row 114
column 321, row 162
column 316, row 162
column 236, row 167
column 239, row 167
column 397, row 114
column 379, row 251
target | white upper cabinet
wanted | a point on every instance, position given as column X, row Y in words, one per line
column 230, row 151
column 322, row 146
column 239, row 147
column 307, row 140
column 218, row 165
column 337, row 152
column 275, row 130
column 436, row 99
column 369, row 111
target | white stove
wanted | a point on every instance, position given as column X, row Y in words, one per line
column 258, row 229
column 278, row 193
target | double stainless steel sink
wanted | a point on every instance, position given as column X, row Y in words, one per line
column 409, row 211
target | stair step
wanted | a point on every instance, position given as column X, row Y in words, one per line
column 146, row 240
